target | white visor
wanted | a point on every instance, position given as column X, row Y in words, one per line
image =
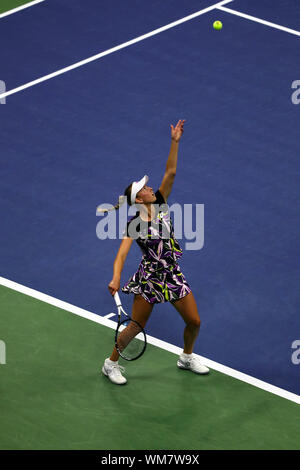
column 136, row 187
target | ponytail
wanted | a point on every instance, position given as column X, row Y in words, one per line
column 122, row 199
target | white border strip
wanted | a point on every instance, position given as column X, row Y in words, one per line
column 113, row 49
column 151, row 340
column 110, row 315
column 22, row 7
column 258, row 20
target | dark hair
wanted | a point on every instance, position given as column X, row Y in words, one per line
column 127, row 193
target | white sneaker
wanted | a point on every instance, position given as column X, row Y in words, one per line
column 193, row 364
column 113, row 371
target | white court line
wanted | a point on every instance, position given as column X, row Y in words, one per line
column 151, row 340
column 22, row 7
column 110, row 315
column 113, row 49
column 258, row 20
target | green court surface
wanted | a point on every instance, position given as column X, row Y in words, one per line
column 53, row 396
column 6, row 5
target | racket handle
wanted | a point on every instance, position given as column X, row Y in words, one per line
column 117, row 299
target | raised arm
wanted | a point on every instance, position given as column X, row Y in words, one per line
column 114, row 284
column 169, row 176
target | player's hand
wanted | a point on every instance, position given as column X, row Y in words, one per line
column 177, row 131
column 114, row 286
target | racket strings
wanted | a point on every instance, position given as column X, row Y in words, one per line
column 130, row 340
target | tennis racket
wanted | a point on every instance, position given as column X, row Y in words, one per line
column 130, row 337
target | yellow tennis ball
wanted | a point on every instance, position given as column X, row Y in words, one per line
column 218, row 25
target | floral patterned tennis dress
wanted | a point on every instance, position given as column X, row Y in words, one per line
column 158, row 278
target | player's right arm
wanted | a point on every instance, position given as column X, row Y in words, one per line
column 125, row 245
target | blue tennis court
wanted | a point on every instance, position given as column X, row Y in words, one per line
column 76, row 139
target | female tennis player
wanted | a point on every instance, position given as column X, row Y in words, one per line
column 158, row 278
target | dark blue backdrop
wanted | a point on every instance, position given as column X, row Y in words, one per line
column 78, row 140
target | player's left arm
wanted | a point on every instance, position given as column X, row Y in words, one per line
column 170, row 173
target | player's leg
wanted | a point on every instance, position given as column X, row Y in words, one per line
column 187, row 308
column 141, row 310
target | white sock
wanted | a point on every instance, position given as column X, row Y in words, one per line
column 111, row 362
column 186, row 356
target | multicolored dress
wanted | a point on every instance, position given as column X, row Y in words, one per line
column 158, row 278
